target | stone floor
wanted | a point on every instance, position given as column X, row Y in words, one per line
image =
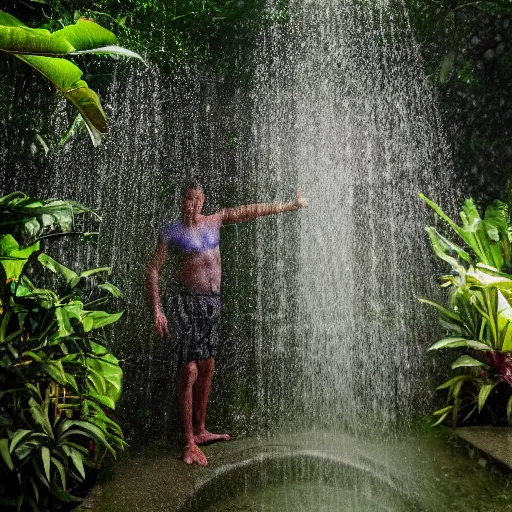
column 493, row 442
column 426, row 467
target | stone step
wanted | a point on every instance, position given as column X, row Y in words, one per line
column 493, row 442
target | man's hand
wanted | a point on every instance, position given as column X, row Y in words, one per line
column 301, row 202
column 161, row 325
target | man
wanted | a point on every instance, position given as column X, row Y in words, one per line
column 195, row 241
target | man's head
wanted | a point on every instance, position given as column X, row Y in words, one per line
column 192, row 199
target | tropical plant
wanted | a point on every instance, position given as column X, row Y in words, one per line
column 478, row 315
column 58, row 381
column 43, row 51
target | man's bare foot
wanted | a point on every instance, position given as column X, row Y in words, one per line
column 193, row 455
column 205, row 437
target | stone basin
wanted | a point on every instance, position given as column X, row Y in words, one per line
column 317, row 471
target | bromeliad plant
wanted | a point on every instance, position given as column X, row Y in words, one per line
column 58, row 381
column 478, row 316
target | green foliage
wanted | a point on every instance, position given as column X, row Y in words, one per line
column 29, row 220
column 218, row 33
column 478, row 316
column 488, row 238
column 42, row 50
column 58, row 381
column 496, row 7
column 466, row 46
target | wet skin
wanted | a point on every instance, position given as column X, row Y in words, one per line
column 200, row 271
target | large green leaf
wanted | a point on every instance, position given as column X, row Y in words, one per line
column 504, row 315
column 28, row 219
column 66, row 77
column 23, row 40
column 39, row 413
column 496, row 221
column 483, row 394
column 95, row 271
column 456, row 341
column 446, row 250
column 18, row 437
column 88, row 104
column 84, row 428
column 108, row 368
column 39, row 49
column 8, row 20
column 77, row 459
column 62, row 73
column 109, row 287
column 486, row 280
column 62, row 471
column 4, row 452
column 465, row 361
column 55, row 371
column 448, row 313
column 103, row 399
column 48, row 262
column 449, row 383
column 97, row 381
column 481, row 235
column 12, row 258
column 84, row 35
column 101, row 318
column 45, row 455
column 443, row 215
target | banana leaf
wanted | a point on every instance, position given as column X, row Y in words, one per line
column 56, row 267
column 66, row 77
column 42, row 50
column 84, row 35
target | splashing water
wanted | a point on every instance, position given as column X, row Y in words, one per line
column 344, row 108
column 321, row 323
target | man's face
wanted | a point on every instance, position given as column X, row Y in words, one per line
column 192, row 203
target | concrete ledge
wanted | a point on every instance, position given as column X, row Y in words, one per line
column 494, row 442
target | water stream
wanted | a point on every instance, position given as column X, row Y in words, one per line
column 322, row 329
column 321, row 323
column 343, row 106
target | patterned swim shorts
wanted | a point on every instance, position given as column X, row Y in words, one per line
column 197, row 319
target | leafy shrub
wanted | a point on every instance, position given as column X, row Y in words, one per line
column 58, row 381
column 478, row 316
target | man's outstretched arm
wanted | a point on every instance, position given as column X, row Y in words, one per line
column 252, row 211
column 152, row 275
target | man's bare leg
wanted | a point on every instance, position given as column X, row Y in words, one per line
column 191, row 452
column 201, row 391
